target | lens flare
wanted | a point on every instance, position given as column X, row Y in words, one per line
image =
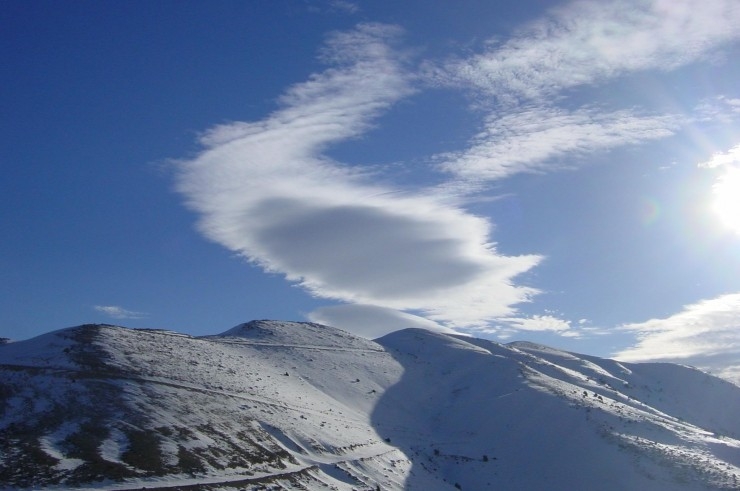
column 727, row 199
column 650, row 211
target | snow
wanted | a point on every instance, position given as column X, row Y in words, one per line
column 51, row 444
column 305, row 406
column 46, row 350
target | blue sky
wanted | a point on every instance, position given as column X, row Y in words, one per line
column 560, row 172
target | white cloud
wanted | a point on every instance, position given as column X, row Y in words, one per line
column 507, row 327
column 527, row 140
column 371, row 321
column 720, row 109
column 587, row 42
column 265, row 190
column 705, row 334
column 117, row 312
column 582, row 43
column 345, row 6
column 334, row 7
column 721, row 159
column 538, row 323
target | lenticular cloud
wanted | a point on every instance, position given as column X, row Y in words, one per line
column 265, row 190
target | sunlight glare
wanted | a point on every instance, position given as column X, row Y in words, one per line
column 727, row 199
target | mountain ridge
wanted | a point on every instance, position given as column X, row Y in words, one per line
column 304, row 406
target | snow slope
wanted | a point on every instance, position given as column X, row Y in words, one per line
column 283, row 405
column 510, row 417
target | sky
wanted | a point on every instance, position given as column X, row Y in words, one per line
column 565, row 173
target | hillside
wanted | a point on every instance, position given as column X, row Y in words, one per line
column 281, row 405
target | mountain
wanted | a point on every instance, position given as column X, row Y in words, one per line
column 283, row 405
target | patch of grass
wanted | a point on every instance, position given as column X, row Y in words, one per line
column 84, row 443
column 144, row 452
column 6, row 392
column 188, row 462
column 164, row 431
column 86, row 353
column 28, row 464
column 99, row 470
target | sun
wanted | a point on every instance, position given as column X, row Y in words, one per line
column 727, row 199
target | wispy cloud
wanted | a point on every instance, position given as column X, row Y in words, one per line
column 719, row 109
column 117, row 312
column 345, row 6
column 538, row 323
column 265, row 189
column 705, row 334
column 334, row 7
column 529, row 139
column 588, row 42
column 521, row 82
column 507, row 327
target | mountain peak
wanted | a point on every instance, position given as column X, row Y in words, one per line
column 295, row 333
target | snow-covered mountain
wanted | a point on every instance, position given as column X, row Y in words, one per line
column 282, row 405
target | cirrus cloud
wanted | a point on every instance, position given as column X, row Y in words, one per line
column 521, row 82
column 588, row 42
column 705, row 334
column 527, row 140
column 117, row 312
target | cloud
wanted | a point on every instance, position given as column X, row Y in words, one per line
column 720, row 109
column 588, row 42
column 371, row 321
column 507, row 327
column 538, row 323
column 705, row 334
column 334, row 7
column 117, row 312
column 528, row 139
column 722, row 159
column 345, row 6
column 520, row 82
column 266, row 190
